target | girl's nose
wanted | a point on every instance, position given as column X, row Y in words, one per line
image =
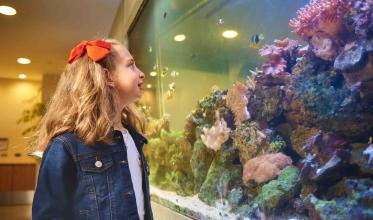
column 142, row 75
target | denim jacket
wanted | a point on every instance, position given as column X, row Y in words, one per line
column 77, row 181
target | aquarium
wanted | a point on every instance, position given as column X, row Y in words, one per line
column 258, row 109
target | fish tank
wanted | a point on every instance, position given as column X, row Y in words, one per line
column 258, row 109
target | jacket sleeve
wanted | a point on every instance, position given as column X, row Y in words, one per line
column 56, row 184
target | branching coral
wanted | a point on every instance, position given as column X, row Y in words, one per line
column 320, row 16
column 215, row 136
column 321, row 22
column 265, row 167
column 237, row 102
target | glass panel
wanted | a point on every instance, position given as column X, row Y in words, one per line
column 243, row 121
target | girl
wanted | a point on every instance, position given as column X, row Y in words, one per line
column 93, row 166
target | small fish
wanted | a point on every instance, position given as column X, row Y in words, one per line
column 255, row 40
column 370, row 140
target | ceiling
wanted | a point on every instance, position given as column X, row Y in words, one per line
column 46, row 30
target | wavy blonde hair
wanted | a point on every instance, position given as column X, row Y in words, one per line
column 84, row 104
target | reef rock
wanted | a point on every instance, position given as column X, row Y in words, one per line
column 251, row 141
column 237, row 102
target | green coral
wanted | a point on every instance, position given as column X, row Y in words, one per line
column 277, row 192
column 168, row 158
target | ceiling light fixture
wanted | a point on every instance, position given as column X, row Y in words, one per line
column 179, row 37
column 6, row 10
column 22, row 76
column 23, row 60
column 230, row 34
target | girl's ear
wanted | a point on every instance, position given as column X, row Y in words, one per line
column 109, row 78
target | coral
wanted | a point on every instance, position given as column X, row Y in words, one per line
column 369, row 153
column 277, row 193
column 324, row 47
column 215, row 136
column 321, row 22
column 168, row 158
column 265, row 167
column 237, row 101
column 279, row 55
column 251, row 141
column 320, row 16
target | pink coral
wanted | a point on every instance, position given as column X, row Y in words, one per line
column 320, row 16
column 265, row 167
column 274, row 67
column 277, row 53
column 215, row 136
column 237, row 102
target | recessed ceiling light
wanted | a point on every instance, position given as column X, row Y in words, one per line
column 6, row 10
column 23, row 60
column 230, row 34
column 22, row 76
column 149, row 86
column 179, row 37
column 153, row 73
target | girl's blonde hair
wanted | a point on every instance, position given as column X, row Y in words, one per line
column 84, row 104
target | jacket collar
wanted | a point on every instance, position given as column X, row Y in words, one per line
column 139, row 139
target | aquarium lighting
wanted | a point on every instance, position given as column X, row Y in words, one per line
column 230, row 34
column 153, row 73
column 23, row 60
column 149, row 86
column 6, row 10
column 179, row 37
column 22, row 76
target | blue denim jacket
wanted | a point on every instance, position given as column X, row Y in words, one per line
column 72, row 185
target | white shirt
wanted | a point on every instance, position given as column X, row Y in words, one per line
column 134, row 164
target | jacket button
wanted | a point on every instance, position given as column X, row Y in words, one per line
column 98, row 164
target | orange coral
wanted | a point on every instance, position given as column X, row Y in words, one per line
column 265, row 167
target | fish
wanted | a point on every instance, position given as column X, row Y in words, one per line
column 255, row 40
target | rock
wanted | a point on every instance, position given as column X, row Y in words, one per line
column 247, row 137
column 299, row 137
column 200, row 162
column 352, row 58
column 327, row 156
column 277, row 193
column 352, row 199
column 222, row 176
column 236, row 197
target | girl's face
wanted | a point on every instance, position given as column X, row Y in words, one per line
column 128, row 79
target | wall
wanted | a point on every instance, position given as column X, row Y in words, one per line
column 126, row 13
column 16, row 96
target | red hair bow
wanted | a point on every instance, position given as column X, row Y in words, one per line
column 96, row 50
